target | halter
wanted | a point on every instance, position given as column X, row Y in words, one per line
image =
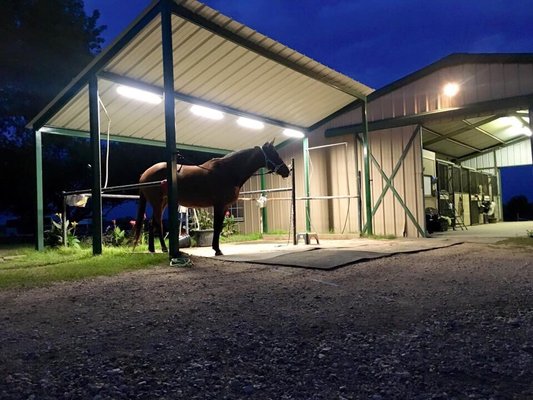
column 269, row 161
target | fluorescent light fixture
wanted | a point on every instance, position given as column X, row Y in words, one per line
column 138, row 94
column 293, row 133
column 526, row 131
column 450, row 89
column 206, row 112
column 250, row 123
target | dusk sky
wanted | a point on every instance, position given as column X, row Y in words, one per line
column 375, row 42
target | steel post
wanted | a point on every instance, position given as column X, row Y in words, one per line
column 39, row 222
column 170, row 128
column 366, row 160
column 96, row 192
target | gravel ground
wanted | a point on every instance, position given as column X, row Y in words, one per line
column 452, row 323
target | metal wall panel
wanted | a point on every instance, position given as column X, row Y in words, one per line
column 514, row 154
column 479, row 82
column 387, row 147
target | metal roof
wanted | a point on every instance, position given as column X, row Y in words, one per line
column 460, row 132
column 219, row 63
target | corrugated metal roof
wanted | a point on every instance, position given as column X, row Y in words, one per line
column 468, row 136
column 217, row 61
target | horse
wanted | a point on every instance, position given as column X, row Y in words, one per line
column 215, row 183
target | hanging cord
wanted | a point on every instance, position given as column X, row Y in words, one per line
column 107, row 145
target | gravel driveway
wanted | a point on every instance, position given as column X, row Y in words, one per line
column 452, row 323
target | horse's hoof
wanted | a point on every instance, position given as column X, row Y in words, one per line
column 218, row 253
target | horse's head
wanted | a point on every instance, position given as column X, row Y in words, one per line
column 273, row 161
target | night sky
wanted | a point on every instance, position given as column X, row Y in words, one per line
column 375, row 42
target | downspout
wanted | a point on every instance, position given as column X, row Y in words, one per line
column 39, row 228
column 96, row 192
column 366, row 160
column 170, row 129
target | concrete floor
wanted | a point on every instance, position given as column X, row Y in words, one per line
column 488, row 233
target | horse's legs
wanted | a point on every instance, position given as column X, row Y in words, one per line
column 151, row 245
column 217, row 226
column 158, row 226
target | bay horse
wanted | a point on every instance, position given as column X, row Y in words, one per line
column 215, row 183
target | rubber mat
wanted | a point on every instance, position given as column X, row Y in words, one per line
column 325, row 259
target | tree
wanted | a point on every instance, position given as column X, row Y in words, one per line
column 45, row 44
column 518, row 208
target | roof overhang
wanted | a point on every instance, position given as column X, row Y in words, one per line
column 218, row 63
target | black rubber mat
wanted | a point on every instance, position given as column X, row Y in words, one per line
column 325, row 259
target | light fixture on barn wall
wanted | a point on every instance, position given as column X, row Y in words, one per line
column 207, row 112
column 138, row 94
column 450, row 89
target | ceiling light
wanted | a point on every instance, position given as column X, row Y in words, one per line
column 293, row 133
column 206, row 112
column 138, row 94
column 526, row 131
column 451, row 89
column 250, row 123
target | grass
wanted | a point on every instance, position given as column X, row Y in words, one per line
column 25, row 267
column 519, row 241
column 241, row 238
column 378, row 237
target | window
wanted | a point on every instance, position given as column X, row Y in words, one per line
column 237, row 210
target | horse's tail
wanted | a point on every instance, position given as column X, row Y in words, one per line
column 140, row 218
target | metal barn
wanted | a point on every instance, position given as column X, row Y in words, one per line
column 368, row 161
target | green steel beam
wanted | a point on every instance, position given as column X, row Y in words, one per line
column 491, row 106
column 39, row 228
column 366, row 160
column 96, row 193
column 132, row 140
column 305, row 144
column 170, row 129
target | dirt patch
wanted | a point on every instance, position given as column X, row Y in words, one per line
column 446, row 323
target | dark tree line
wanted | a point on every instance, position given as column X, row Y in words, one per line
column 44, row 45
column 518, row 208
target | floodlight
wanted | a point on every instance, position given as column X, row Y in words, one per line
column 450, row 89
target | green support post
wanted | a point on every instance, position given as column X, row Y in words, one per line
column 366, row 160
column 170, row 128
column 96, row 192
column 305, row 143
column 39, row 228
column 264, row 213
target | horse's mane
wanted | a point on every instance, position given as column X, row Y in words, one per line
column 231, row 156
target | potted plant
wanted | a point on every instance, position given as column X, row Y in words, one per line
column 204, row 234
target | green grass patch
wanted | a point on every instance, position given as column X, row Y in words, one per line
column 378, row 237
column 524, row 242
column 24, row 267
column 241, row 238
